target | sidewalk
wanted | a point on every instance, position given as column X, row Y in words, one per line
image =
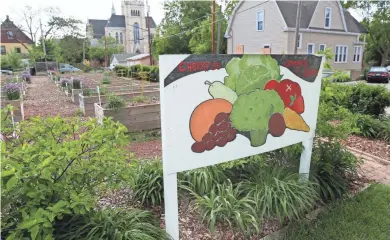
column 376, row 171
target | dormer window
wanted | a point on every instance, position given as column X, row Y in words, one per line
column 328, row 17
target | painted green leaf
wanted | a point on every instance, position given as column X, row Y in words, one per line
column 233, row 69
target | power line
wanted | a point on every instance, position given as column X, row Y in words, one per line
column 214, row 21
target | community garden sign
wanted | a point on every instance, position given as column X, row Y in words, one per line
column 217, row 108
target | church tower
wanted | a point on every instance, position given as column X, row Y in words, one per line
column 113, row 9
column 136, row 37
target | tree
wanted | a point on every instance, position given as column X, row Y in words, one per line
column 98, row 52
column 71, row 49
column 32, row 18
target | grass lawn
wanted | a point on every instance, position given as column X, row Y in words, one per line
column 365, row 216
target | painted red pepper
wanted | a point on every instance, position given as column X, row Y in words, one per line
column 290, row 92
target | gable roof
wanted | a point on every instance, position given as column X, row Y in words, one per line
column 152, row 23
column 98, row 27
column 123, row 56
column 18, row 35
column 117, row 21
column 138, row 56
column 288, row 9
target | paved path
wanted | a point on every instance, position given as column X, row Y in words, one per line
column 377, row 171
column 44, row 99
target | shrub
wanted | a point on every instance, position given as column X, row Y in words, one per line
column 372, row 128
column 147, row 183
column 339, row 76
column 12, row 90
column 154, row 75
column 106, row 79
column 333, row 168
column 139, row 99
column 133, row 224
column 226, row 204
column 115, row 102
column 277, row 192
column 87, row 92
column 54, row 169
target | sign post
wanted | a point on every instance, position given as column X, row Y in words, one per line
column 218, row 108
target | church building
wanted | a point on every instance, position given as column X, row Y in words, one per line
column 129, row 29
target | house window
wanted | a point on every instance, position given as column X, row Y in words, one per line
column 328, row 17
column 266, row 45
column 341, row 55
column 121, row 37
column 310, row 48
column 260, row 20
column 18, row 50
column 299, row 40
column 322, row 47
column 136, row 32
column 116, row 38
column 357, row 53
column 10, row 35
column 3, row 50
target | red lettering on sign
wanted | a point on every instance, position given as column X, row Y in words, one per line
column 198, row 66
column 182, row 67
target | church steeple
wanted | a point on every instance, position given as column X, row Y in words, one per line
column 113, row 9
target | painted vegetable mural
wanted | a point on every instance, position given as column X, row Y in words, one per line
column 254, row 101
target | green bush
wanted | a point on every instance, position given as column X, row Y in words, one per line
column 132, row 224
column 87, row 92
column 115, row 102
column 54, row 169
column 147, row 183
column 372, row 128
column 339, row 76
column 277, row 192
column 225, row 204
column 333, row 168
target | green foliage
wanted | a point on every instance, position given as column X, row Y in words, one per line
column 139, row 99
column 226, row 204
column 277, row 192
column 98, row 52
column 333, row 168
column 370, row 127
column 106, row 80
column 6, row 122
column 133, row 224
column 54, row 168
column 358, row 98
column 71, row 49
column 202, row 180
column 339, row 76
column 152, row 72
column 115, row 102
column 11, row 61
column 147, row 183
column 87, row 92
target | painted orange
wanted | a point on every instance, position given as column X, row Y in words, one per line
column 204, row 114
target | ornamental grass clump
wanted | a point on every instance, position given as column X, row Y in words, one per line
column 12, row 90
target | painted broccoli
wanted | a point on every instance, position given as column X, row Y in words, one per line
column 251, row 113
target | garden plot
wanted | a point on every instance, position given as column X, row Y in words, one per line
column 89, row 97
column 140, row 112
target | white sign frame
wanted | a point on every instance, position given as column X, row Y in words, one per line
column 170, row 173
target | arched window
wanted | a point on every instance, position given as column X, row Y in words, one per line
column 136, row 32
column 116, row 38
column 121, row 37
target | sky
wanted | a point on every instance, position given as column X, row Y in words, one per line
column 80, row 9
column 83, row 9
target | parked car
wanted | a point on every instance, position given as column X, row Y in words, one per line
column 6, row 72
column 378, row 74
column 68, row 68
column 388, row 68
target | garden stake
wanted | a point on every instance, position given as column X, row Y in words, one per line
column 98, row 91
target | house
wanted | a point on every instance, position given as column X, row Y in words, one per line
column 13, row 39
column 128, row 29
column 258, row 25
column 120, row 59
column 143, row 59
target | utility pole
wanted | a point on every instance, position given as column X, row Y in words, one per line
column 297, row 25
column 84, row 50
column 150, row 45
column 213, row 31
column 105, row 46
column 43, row 43
column 219, row 28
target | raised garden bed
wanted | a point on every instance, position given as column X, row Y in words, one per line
column 18, row 108
column 86, row 103
column 136, row 118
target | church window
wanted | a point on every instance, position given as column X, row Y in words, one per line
column 116, row 38
column 121, row 37
column 136, row 32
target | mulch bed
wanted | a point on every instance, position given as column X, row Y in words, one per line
column 143, row 150
column 379, row 148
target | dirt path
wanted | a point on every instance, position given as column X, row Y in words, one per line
column 44, row 99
